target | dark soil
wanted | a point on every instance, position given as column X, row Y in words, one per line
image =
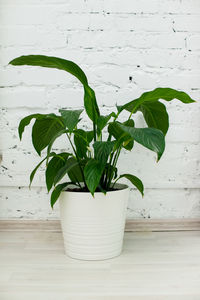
column 85, row 190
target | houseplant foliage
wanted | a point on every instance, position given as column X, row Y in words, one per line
column 92, row 164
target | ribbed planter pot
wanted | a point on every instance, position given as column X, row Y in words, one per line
column 93, row 227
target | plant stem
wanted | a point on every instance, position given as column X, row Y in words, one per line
column 113, row 166
column 132, row 112
column 77, row 158
column 94, row 130
column 108, row 169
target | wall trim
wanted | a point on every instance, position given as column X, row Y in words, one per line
column 131, row 225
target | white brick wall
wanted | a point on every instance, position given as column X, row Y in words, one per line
column 156, row 42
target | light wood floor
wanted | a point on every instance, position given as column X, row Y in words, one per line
column 153, row 266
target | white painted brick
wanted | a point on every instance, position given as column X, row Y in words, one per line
column 184, row 81
column 112, row 39
column 122, row 22
column 186, row 23
column 11, row 36
column 129, row 6
column 65, row 97
column 170, row 203
column 167, row 41
column 9, row 77
column 26, row 15
column 23, row 203
column 170, row 7
column 31, row 36
column 193, row 42
column 22, row 97
column 190, row 6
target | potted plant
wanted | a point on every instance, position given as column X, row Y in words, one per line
column 92, row 203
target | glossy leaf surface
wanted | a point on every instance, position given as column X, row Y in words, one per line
column 135, row 181
column 70, row 117
column 150, row 138
column 51, row 62
column 93, row 172
column 44, row 130
column 155, row 115
column 102, row 150
column 56, row 192
column 37, row 167
column 55, row 164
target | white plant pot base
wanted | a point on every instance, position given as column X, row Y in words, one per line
column 93, row 227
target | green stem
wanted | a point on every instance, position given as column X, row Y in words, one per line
column 107, row 172
column 76, row 158
column 113, row 166
column 132, row 112
column 94, row 130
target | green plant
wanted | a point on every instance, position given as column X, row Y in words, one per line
column 92, row 165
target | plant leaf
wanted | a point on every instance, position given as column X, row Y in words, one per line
column 56, row 192
column 135, row 181
column 150, row 138
column 55, row 164
column 26, row 121
column 102, row 122
column 93, row 172
column 74, row 170
column 64, row 170
column 102, row 150
column 81, row 140
column 70, row 117
column 122, row 138
column 36, row 168
column 90, row 104
column 167, row 94
column 62, row 131
column 68, row 66
column 51, row 62
column 155, row 115
column 44, row 130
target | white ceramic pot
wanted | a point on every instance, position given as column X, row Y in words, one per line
column 93, row 227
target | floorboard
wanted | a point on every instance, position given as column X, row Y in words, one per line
column 153, row 266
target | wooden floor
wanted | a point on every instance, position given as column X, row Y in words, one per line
column 153, row 266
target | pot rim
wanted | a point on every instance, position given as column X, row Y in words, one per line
column 120, row 187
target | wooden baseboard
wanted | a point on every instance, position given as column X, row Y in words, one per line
column 131, row 225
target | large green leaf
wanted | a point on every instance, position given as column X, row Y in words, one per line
column 122, row 138
column 64, row 170
column 44, row 130
column 74, row 170
column 167, row 94
column 51, row 62
column 154, row 112
column 93, row 172
column 26, row 121
column 82, row 140
column 55, row 164
column 150, row 138
column 135, row 181
column 70, row 117
column 57, row 135
column 36, row 168
column 90, row 102
column 102, row 150
column 155, row 115
column 56, row 192
column 102, row 122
